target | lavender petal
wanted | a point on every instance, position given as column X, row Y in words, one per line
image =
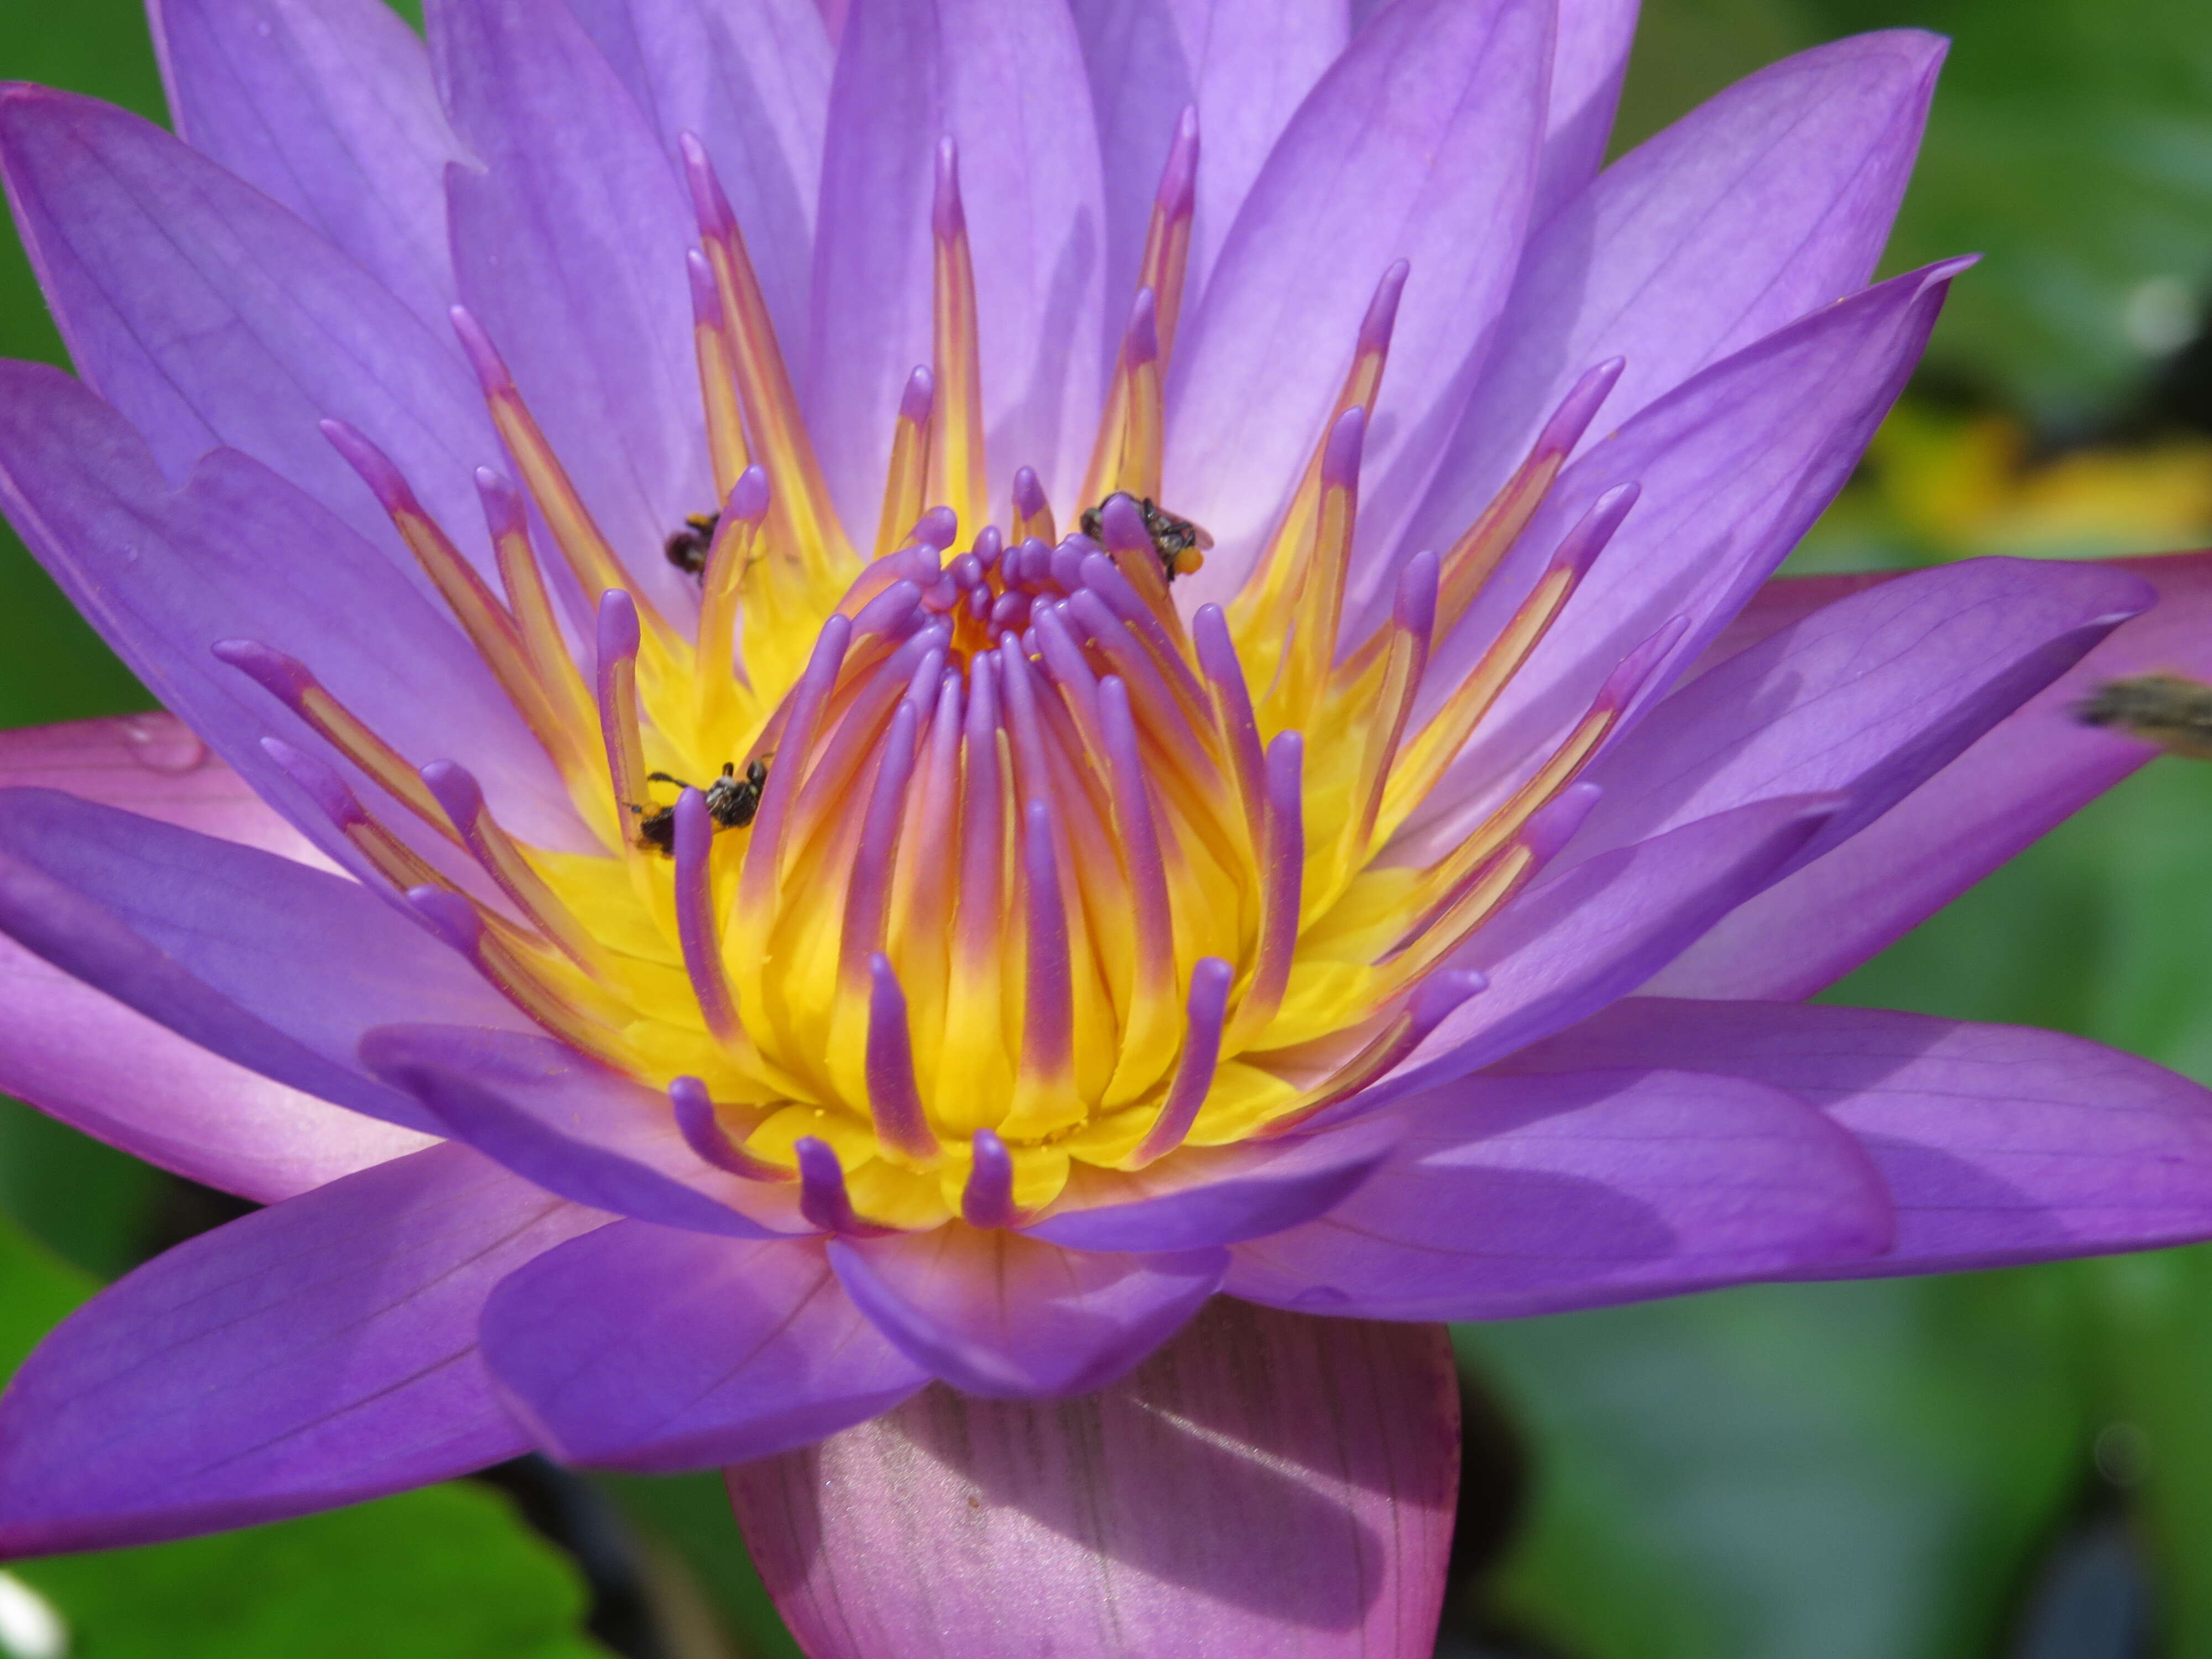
column 1998, row 1143
column 1525, row 1195
column 647, row 1348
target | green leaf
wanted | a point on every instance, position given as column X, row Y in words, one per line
column 1791, row 1472
column 445, row 1573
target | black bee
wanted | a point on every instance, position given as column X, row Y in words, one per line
column 687, row 548
column 2173, row 712
column 731, row 802
column 1180, row 544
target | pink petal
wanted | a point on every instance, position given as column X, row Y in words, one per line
column 1268, row 1485
column 88, row 1059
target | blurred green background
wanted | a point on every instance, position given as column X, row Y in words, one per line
column 2014, row 1465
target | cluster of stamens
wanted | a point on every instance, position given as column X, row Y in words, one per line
column 1003, row 867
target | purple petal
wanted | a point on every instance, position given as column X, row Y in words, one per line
column 239, row 553
column 568, row 242
column 1004, row 78
column 1269, row 1485
column 1444, row 181
column 2029, row 774
column 85, row 1058
column 643, row 1347
column 1010, row 1317
column 1768, row 202
column 1203, row 1196
column 271, row 964
column 752, row 80
column 327, row 106
column 1575, row 942
column 1998, row 1143
column 1735, row 465
column 574, row 1128
column 319, row 1352
column 1246, row 65
column 1589, row 61
column 1524, row 1196
column 209, row 315
column 1871, row 696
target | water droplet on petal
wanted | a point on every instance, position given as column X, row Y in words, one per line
column 160, row 744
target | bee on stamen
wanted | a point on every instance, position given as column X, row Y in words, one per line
column 732, row 801
column 2166, row 709
column 1180, row 544
column 687, row 548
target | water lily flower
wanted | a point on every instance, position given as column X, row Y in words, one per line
column 859, row 701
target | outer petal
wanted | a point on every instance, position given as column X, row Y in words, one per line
column 209, row 315
column 1530, row 1195
column 1266, row 1485
column 1211, row 1195
column 2035, row 770
column 1247, row 64
column 1768, row 202
column 1012, row 1318
column 1575, row 942
column 573, row 1126
column 1421, row 144
column 570, row 247
column 92, row 1062
column 1735, row 466
column 1005, row 79
column 1872, row 696
column 319, row 1352
column 752, row 78
column 1997, row 1144
column 267, row 963
column 327, row 106
column 641, row 1347
column 1588, row 64
column 237, row 552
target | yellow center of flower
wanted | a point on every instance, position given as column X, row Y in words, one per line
column 995, row 863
